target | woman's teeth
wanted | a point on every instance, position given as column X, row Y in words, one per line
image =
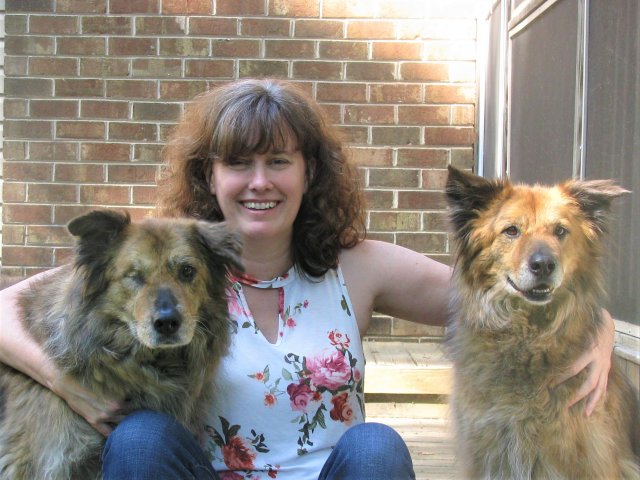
column 259, row 205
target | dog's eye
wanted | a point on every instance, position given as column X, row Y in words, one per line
column 187, row 273
column 560, row 231
column 135, row 276
column 511, row 231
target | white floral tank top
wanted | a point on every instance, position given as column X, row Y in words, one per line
column 280, row 408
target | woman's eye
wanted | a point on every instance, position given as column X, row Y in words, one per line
column 237, row 162
column 511, row 231
column 279, row 162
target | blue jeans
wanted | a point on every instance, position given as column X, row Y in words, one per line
column 371, row 451
column 153, row 446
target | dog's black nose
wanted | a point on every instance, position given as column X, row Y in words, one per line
column 168, row 319
column 166, row 325
column 542, row 263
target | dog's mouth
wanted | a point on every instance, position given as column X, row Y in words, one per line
column 541, row 293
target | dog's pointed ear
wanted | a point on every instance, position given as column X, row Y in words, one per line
column 594, row 198
column 467, row 194
column 97, row 235
column 102, row 224
column 224, row 245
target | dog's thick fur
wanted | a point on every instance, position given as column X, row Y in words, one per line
column 527, row 299
column 140, row 315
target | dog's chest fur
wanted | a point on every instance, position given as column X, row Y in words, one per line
column 515, row 363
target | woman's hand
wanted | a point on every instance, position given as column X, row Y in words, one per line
column 103, row 414
column 598, row 362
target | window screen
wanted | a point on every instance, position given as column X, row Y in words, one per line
column 543, row 89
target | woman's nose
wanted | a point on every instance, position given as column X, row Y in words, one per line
column 260, row 179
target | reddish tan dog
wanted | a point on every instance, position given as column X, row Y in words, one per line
column 141, row 314
column 527, row 303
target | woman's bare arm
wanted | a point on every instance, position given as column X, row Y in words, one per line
column 17, row 348
column 396, row 281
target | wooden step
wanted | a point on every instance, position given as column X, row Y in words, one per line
column 431, row 445
column 407, row 386
column 406, row 368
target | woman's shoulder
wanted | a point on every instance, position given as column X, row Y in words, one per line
column 365, row 248
column 373, row 253
column 355, row 257
column 371, row 261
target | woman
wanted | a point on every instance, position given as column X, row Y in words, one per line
column 289, row 402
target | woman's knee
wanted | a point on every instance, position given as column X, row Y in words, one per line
column 373, row 436
column 369, row 450
column 149, row 444
column 143, row 426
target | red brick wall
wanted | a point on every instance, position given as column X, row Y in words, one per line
column 93, row 87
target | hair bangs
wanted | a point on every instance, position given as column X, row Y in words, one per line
column 261, row 128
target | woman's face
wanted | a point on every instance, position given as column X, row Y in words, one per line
column 260, row 195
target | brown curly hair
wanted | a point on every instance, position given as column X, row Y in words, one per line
column 255, row 116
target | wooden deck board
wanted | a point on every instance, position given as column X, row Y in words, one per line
column 430, row 443
column 406, row 368
column 401, row 370
column 404, row 353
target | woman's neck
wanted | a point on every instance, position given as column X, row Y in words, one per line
column 265, row 262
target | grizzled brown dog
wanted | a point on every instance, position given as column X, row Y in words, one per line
column 527, row 305
column 141, row 314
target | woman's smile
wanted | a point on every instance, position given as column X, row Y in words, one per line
column 256, row 205
column 260, row 194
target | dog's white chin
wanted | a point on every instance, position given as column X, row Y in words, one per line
column 536, row 301
column 165, row 344
column 154, row 340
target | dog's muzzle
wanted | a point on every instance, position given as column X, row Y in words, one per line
column 542, row 264
column 167, row 319
column 538, row 276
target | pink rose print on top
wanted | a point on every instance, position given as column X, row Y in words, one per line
column 237, row 455
column 287, row 314
column 330, row 375
column 329, row 369
column 300, row 395
column 342, row 410
column 238, row 452
column 272, row 393
column 270, row 399
column 339, row 340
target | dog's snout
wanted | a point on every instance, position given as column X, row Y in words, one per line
column 542, row 263
column 165, row 302
column 167, row 319
column 167, row 325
